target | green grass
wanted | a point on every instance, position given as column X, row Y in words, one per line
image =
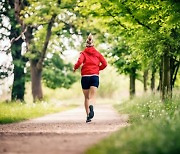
column 154, row 128
column 17, row 111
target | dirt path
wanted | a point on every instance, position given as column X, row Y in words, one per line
column 60, row 133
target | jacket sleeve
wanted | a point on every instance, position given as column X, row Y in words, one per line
column 80, row 61
column 103, row 62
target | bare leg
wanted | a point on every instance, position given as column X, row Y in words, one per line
column 92, row 94
column 86, row 100
column 89, row 97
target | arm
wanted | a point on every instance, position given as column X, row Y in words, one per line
column 103, row 62
column 79, row 62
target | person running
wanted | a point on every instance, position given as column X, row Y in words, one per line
column 92, row 62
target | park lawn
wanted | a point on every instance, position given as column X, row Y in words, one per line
column 154, row 129
column 16, row 111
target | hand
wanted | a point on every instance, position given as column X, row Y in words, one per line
column 74, row 70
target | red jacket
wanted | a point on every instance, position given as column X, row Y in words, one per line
column 92, row 62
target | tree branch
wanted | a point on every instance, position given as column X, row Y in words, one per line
column 18, row 6
column 17, row 38
column 113, row 17
column 137, row 20
column 12, row 41
column 46, row 42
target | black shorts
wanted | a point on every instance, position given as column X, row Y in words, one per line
column 88, row 81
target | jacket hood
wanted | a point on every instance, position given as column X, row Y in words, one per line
column 91, row 51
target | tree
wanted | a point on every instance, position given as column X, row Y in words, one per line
column 40, row 22
column 13, row 33
column 122, row 58
column 136, row 21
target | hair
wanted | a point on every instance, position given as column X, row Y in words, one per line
column 89, row 41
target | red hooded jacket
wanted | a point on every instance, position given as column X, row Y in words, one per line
column 92, row 62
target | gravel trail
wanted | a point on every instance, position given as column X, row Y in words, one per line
column 60, row 133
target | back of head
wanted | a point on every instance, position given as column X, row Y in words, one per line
column 89, row 41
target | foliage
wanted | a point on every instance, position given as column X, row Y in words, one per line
column 58, row 74
column 123, row 58
column 5, row 71
column 138, row 32
column 5, row 68
column 153, row 126
column 38, row 14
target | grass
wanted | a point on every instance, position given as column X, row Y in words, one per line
column 17, row 111
column 154, row 128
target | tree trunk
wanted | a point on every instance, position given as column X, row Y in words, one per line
column 145, row 77
column 166, row 78
column 160, row 77
column 18, row 88
column 36, row 81
column 174, row 76
column 132, row 83
column 153, row 80
column 174, row 64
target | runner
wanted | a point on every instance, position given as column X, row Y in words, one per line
column 92, row 62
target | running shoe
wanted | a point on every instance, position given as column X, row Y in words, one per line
column 88, row 119
column 91, row 113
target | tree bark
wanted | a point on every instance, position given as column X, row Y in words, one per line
column 175, row 75
column 153, row 80
column 18, row 88
column 132, row 82
column 174, row 64
column 36, row 81
column 145, row 77
column 46, row 42
column 160, row 77
column 166, row 77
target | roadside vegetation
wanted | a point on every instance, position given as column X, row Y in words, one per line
column 18, row 111
column 154, row 128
